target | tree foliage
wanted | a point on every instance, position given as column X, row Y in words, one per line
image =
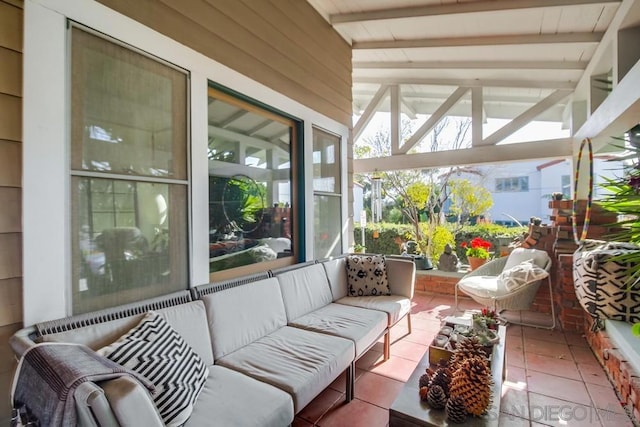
column 468, row 199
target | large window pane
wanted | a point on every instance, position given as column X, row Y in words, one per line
column 251, row 208
column 327, row 201
column 120, row 257
column 128, row 117
column 326, row 162
column 327, row 226
column 128, row 110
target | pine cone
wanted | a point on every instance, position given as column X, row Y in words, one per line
column 466, row 349
column 424, row 380
column 436, row 397
column 456, row 411
column 472, row 382
column 441, row 377
column 424, row 391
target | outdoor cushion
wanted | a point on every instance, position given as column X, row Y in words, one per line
column 302, row 363
column 367, row 276
column 520, row 275
column 518, row 255
column 483, row 286
column 336, row 270
column 304, row 290
column 156, row 351
column 230, row 398
column 395, row 306
column 262, row 312
column 361, row 326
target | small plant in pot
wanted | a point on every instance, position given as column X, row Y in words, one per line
column 557, row 195
column 359, row 249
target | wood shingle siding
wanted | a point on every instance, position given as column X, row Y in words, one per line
column 283, row 44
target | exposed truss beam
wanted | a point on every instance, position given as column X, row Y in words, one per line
column 501, row 65
column 396, row 97
column 232, row 118
column 514, row 39
column 454, row 8
column 369, row 111
column 469, row 156
column 477, row 112
column 259, row 126
column 525, row 117
column 441, row 96
column 433, row 120
column 408, row 109
column 252, row 141
column 538, row 84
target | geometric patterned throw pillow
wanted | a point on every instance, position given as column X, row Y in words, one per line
column 155, row 350
column 367, row 276
column 522, row 274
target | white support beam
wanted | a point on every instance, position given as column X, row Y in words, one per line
column 251, row 141
column 433, row 119
column 396, row 125
column 369, row 111
column 454, row 8
column 473, row 65
column 555, row 148
column 526, row 117
column 408, row 109
column 512, row 39
column 617, row 114
column 232, row 118
column 477, row 115
column 528, row 83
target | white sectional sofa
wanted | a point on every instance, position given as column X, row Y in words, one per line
column 272, row 342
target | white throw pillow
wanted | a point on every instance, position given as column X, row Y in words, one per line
column 522, row 274
column 367, row 276
column 155, row 350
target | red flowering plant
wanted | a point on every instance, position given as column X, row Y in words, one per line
column 478, row 248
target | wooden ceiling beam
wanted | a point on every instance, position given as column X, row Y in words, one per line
column 525, row 83
column 465, row 65
column 454, row 8
column 512, row 39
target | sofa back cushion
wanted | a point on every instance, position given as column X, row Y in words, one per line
column 188, row 319
column 304, row 290
column 240, row 315
column 336, row 270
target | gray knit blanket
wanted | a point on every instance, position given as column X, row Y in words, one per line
column 49, row 373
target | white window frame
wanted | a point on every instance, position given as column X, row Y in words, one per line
column 46, row 178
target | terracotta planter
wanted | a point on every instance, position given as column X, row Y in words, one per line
column 474, row 262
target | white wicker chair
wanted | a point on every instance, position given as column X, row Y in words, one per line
column 483, row 287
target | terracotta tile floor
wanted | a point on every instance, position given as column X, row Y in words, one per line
column 553, row 379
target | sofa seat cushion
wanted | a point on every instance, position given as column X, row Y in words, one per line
column 302, row 363
column 396, row 306
column 360, row 325
column 230, row 398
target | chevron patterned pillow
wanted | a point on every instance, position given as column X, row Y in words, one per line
column 155, row 350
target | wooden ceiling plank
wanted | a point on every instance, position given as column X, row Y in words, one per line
column 512, row 39
column 454, row 8
column 433, row 120
column 499, row 65
column 524, row 83
column 525, row 118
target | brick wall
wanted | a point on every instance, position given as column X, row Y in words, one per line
column 621, row 374
column 437, row 282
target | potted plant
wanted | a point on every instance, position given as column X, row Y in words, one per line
column 359, row 249
column 477, row 252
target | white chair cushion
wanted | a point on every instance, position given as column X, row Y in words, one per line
column 482, row 286
column 520, row 275
column 518, row 255
column 156, row 351
column 304, row 290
